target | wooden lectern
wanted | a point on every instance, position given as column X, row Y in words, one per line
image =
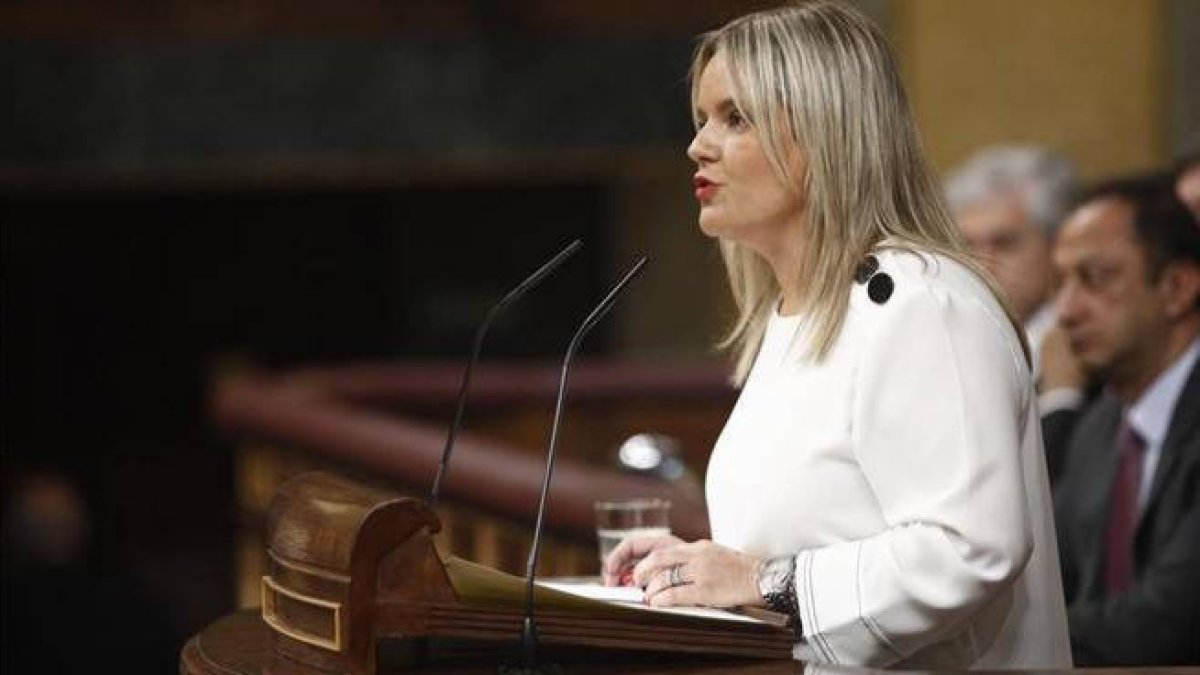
column 353, row 573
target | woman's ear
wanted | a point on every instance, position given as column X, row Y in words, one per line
column 1180, row 286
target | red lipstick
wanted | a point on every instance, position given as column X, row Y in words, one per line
column 705, row 188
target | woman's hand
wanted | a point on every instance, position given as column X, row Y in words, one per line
column 701, row 573
column 618, row 567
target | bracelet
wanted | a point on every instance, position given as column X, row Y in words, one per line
column 777, row 585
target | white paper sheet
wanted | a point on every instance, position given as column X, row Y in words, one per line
column 631, row 596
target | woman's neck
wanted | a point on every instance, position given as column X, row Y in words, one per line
column 783, row 251
column 789, row 302
column 786, row 267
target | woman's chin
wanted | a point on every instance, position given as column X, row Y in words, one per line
column 711, row 225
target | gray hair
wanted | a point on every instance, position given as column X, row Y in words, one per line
column 1045, row 182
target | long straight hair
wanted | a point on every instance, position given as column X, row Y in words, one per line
column 819, row 77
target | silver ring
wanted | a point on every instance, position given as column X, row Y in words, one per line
column 675, row 576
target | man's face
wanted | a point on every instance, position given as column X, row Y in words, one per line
column 1013, row 249
column 1115, row 318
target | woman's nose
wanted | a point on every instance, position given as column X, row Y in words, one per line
column 701, row 150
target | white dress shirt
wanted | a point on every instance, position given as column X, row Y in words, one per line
column 906, row 473
column 1151, row 414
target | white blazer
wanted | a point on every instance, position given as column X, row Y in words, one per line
column 906, row 473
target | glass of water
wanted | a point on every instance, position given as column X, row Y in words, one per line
column 616, row 521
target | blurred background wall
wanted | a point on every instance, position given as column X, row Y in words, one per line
column 188, row 185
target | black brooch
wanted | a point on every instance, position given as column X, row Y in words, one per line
column 879, row 284
column 865, row 269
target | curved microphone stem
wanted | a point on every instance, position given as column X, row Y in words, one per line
column 529, row 630
column 509, row 298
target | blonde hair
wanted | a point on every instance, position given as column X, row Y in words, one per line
column 819, row 77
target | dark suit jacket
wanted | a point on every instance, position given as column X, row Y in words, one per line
column 1057, row 429
column 1158, row 620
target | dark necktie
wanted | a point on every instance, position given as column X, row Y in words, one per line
column 1123, row 513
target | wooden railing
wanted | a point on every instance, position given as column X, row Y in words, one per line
column 386, row 424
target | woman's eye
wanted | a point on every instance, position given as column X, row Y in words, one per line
column 736, row 120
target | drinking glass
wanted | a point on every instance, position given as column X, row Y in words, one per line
column 616, row 521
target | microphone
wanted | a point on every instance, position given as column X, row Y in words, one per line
column 529, row 661
column 512, row 296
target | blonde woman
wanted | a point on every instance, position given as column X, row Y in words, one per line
column 880, row 479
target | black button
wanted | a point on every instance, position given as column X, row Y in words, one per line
column 880, row 288
column 865, row 269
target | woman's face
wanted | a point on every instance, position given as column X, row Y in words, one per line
column 741, row 197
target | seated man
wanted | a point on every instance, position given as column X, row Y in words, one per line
column 1008, row 201
column 1127, row 505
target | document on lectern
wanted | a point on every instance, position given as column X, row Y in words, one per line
column 477, row 583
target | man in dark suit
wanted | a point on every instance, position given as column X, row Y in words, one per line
column 1127, row 502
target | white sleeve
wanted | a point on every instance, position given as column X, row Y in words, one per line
column 937, row 417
